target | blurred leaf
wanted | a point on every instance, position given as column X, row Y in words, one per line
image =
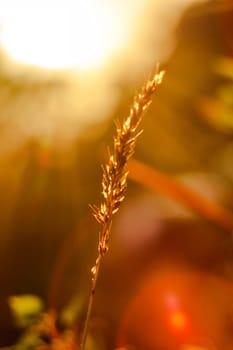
column 70, row 313
column 218, row 114
column 25, row 308
column 29, row 341
column 224, row 67
column 218, row 110
column 225, row 94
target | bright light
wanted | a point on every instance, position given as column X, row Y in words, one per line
column 178, row 320
column 176, row 317
column 61, row 33
column 193, row 347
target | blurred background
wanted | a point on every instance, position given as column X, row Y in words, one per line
column 68, row 69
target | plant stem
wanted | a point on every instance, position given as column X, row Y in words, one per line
column 95, row 274
column 114, row 181
column 90, row 302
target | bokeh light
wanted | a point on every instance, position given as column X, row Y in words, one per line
column 187, row 314
column 178, row 320
column 85, row 35
column 60, row 34
column 75, row 56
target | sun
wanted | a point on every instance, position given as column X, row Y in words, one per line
column 60, row 34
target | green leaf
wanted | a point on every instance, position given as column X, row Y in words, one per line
column 25, row 308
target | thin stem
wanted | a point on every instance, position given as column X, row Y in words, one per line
column 95, row 274
column 114, row 181
column 90, row 302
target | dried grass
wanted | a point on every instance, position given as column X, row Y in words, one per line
column 114, row 181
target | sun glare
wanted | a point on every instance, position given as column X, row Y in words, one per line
column 59, row 34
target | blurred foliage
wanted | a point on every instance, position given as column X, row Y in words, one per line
column 25, row 308
column 218, row 110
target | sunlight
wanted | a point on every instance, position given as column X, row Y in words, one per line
column 178, row 321
column 60, row 34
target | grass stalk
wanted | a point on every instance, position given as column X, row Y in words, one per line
column 114, row 181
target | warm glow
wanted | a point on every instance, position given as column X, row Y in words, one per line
column 193, row 347
column 178, row 320
column 60, row 34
